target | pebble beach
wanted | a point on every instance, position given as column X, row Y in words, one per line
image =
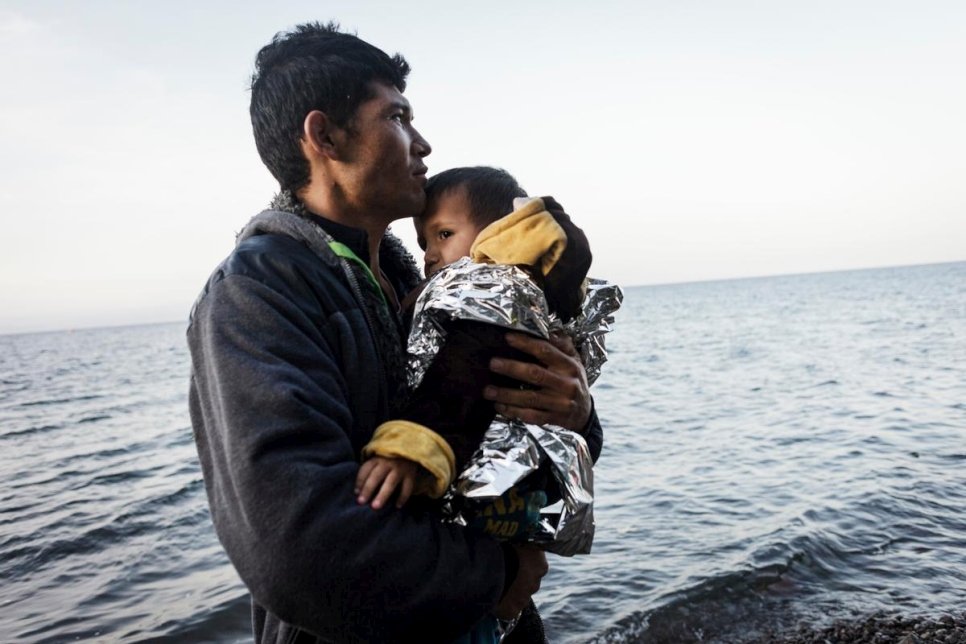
column 879, row 629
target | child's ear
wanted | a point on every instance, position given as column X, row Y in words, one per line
column 320, row 136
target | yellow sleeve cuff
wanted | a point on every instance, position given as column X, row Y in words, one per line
column 414, row 442
column 529, row 235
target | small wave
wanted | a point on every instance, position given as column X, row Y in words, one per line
column 228, row 622
column 16, row 511
column 726, row 608
column 50, row 477
column 150, row 508
column 785, row 441
column 60, row 401
column 94, row 419
column 42, row 429
column 107, row 455
column 182, row 436
column 776, row 592
column 41, row 554
column 117, row 477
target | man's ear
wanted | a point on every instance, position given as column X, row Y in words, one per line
column 320, row 137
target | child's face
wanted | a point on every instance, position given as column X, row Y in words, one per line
column 445, row 231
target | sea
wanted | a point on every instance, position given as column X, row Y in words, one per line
column 779, row 451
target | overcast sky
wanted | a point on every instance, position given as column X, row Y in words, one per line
column 691, row 140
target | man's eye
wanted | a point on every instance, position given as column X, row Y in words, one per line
column 398, row 116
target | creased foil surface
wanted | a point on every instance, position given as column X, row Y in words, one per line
column 511, row 449
column 490, row 293
column 594, row 322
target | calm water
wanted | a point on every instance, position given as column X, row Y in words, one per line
column 779, row 450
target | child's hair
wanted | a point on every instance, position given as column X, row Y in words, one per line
column 489, row 191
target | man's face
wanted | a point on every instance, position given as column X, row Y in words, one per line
column 445, row 231
column 383, row 169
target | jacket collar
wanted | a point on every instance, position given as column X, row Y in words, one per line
column 287, row 216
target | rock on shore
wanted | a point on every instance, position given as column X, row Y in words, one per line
column 878, row 629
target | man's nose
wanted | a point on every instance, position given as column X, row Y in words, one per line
column 421, row 146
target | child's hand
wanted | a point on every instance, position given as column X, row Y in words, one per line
column 385, row 475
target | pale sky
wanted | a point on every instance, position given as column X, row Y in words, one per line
column 691, row 140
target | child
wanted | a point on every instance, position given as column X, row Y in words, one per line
column 444, row 421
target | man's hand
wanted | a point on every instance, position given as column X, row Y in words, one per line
column 559, row 396
column 532, row 567
column 385, row 475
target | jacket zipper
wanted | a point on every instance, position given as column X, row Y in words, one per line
column 354, row 284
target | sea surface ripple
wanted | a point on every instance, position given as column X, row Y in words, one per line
column 778, row 451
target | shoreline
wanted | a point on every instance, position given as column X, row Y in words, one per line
column 878, row 628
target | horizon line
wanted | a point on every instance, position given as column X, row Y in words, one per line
column 711, row 280
column 738, row 278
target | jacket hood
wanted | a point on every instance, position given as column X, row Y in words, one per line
column 278, row 222
column 393, row 256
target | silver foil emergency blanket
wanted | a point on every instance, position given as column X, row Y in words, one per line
column 511, row 449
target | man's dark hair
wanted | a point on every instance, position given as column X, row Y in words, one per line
column 313, row 67
column 489, row 191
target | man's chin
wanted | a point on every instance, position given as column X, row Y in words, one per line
column 412, row 208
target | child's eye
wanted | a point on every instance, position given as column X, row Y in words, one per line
column 444, row 234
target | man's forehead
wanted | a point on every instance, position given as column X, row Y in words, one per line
column 387, row 94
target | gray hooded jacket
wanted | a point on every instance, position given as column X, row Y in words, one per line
column 287, row 385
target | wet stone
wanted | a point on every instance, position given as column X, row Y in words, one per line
column 876, row 629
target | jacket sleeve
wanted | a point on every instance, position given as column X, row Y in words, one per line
column 272, row 423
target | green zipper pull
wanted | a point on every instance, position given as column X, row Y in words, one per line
column 345, row 252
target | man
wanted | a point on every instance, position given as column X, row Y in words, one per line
column 297, row 356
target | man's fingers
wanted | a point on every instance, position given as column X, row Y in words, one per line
column 530, row 399
column 532, row 566
column 558, row 393
column 529, row 373
column 547, row 352
column 565, row 344
column 527, row 415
